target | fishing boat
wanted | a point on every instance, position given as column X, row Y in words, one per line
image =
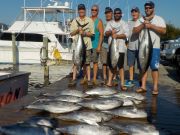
column 14, row 85
column 34, row 23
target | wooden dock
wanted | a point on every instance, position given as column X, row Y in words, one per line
column 163, row 111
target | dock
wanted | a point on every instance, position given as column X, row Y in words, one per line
column 163, row 110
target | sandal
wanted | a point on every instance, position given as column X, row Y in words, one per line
column 123, row 88
column 141, row 90
column 155, row 92
column 106, row 85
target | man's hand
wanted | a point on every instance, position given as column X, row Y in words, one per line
column 98, row 49
column 114, row 36
column 147, row 24
column 80, row 31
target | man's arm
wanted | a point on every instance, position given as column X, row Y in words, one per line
column 155, row 28
column 101, row 38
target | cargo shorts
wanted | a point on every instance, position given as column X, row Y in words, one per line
column 94, row 56
column 88, row 56
column 103, row 56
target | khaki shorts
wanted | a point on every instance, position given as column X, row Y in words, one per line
column 95, row 56
column 103, row 55
column 88, row 56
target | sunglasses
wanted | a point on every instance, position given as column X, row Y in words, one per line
column 117, row 13
column 94, row 10
column 148, row 7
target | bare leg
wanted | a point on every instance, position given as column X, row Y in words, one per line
column 74, row 72
column 104, row 72
column 131, row 73
column 111, row 75
column 144, row 79
column 155, row 76
column 121, row 74
column 88, row 69
column 95, row 69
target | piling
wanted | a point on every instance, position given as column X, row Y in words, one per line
column 14, row 53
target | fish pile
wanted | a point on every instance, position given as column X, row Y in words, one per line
column 92, row 111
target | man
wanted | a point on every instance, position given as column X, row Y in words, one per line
column 118, row 29
column 132, row 48
column 104, row 50
column 87, row 32
column 97, row 40
column 157, row 26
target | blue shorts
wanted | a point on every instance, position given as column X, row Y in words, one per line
column 132, row 56
column 155, row 59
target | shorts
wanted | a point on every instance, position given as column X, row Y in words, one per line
column 88, row 57
column 95, row 56
column 120, row 63
column 103, row 56
column 132, row 56
column 155, row 59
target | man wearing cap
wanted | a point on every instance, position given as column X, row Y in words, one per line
column 157, row 27
column 132, row 48
column 118, row 29
column 87, row 32
column 103, row 54
column 97, row 40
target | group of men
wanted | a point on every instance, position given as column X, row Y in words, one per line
column 97, row 37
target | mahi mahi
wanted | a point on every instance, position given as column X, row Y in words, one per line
column 145, row 52
column 89, row 117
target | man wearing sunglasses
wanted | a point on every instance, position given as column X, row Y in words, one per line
column 118, row 29
column 157, row 27
column 132, row 48
column 97, row 40
column 87, row 32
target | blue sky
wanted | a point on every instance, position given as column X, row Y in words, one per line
column 169, row 10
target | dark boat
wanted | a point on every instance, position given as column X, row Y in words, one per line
column 13, row 85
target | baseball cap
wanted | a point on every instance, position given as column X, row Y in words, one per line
column 149, row 3
column 108, row 9
column 135, row 9
column 81, row 6
column 117, row 10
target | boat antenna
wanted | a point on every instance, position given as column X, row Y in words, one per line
column 24, row 3
column 128, row 10
column 109, row 3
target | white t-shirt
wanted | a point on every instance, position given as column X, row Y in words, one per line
column 133, row 38
column 155, row 37
column 121, row 28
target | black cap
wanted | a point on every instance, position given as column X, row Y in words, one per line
column 135, row 9
column 149, row 3
column 108, row 9
column 81, row 6
column 117, row 10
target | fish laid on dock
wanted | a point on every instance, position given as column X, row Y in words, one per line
column 67, row 92
column 89, row 117
column 101, row 91
column 102, row 104
column 128, row 112
column 24, row 129
column 134, row 128
column 54, row 106
column 85, row 129
column 133, row 95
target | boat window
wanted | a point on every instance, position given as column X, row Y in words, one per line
column 23, row 37
column 63, row 39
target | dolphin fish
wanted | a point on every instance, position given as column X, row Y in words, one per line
column 145, row 52
column 79, row 53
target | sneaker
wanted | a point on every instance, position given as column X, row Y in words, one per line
column 72, row 83
column 129, row 83
column 89, row 84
